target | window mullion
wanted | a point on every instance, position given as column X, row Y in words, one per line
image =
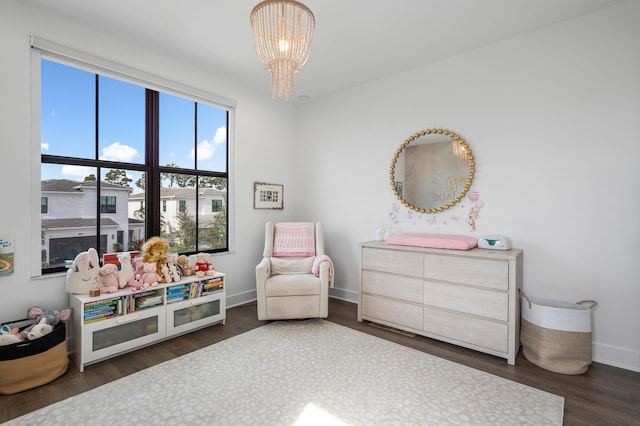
column 96, row 157
column 152, row 190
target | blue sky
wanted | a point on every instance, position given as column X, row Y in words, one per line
column 68, row 124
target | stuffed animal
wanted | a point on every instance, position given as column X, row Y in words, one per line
column 126, row 273
column 136, row 283
column 9, row 336
column 43, row 319
column 203, row 266
column 155, row 251
column 150, row 276
column 173, row 270
column 166, row 275
column 183, row 266
column 108, row 282
column 40, row 329
column 84, row 273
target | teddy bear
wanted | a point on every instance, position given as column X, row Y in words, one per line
column 155, row 251
column 183, row 266
column 45, row 321
column 203, row 266
column 108, row 282
column 126, row 272
column 150, row 277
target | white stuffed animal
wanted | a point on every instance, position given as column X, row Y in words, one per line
column 40, row 329
column 125, row 274
column 84, row 272
column 9, row 336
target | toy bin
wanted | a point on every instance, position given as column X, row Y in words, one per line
column 33, row 363
column 555, row 335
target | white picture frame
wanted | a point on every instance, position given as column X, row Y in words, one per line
column 268, row 196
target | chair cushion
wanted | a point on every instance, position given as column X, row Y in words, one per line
column 291, row 265
column 292, row 285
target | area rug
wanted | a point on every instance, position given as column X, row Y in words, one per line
column 305, row 372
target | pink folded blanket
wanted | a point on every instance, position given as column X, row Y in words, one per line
column 442, row 241
column 294, row 239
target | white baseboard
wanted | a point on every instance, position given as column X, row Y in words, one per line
column 616, row 357
column 344, row 294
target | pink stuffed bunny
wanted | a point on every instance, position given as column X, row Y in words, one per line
column 108, row 282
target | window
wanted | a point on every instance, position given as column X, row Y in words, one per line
column 216, row 205
column 113, row 153
column 107, row 204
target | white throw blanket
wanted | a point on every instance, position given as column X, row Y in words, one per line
column 319, row 260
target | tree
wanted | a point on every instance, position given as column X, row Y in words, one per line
column 90, row 178
column 117, row 177
column 142, row 182
column 216, row 233
column 185, row 234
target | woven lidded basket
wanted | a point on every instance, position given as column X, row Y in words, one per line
column 556, row 336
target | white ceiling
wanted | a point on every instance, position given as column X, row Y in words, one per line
column 355, row 41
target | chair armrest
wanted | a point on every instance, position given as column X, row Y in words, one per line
column 264, row 268
column 263, row 272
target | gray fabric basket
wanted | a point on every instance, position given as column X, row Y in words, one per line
column 556, row 336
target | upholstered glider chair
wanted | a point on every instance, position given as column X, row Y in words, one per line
column 295, row 274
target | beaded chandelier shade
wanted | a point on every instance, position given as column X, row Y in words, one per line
column 282, row 31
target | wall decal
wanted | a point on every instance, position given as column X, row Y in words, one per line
column 6, row 255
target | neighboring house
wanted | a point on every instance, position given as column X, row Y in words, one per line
column 68, row 213
column 176, row 200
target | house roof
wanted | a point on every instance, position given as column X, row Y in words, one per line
column 177, row 192
column 77, row 222
column 68, row 185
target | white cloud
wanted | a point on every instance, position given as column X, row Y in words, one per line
column 119, row 152
column 220, row 136
column 44, row 146
column 77, row 171
column 207, row 149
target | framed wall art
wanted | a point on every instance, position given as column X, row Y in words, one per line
column 267, row 196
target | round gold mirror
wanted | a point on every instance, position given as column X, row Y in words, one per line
column 432, row 170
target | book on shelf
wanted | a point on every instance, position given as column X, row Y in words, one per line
column 113, row 258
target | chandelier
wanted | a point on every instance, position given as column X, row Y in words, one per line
column 282, row 32
column 459, row 149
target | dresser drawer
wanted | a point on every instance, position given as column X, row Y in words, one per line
column 395, row 286
column 478, row 272
column 484, row 333
column 393, row 311
column 394, row 261
column 476, row 301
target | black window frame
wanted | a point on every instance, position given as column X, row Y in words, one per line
column 107, row 207
column 151, row 167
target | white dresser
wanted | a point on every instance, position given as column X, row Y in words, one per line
column 468, row 298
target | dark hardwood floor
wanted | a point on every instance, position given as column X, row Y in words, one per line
column 603, row 396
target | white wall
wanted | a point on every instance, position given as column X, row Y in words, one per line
column 553, row 120
column 263, row 133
